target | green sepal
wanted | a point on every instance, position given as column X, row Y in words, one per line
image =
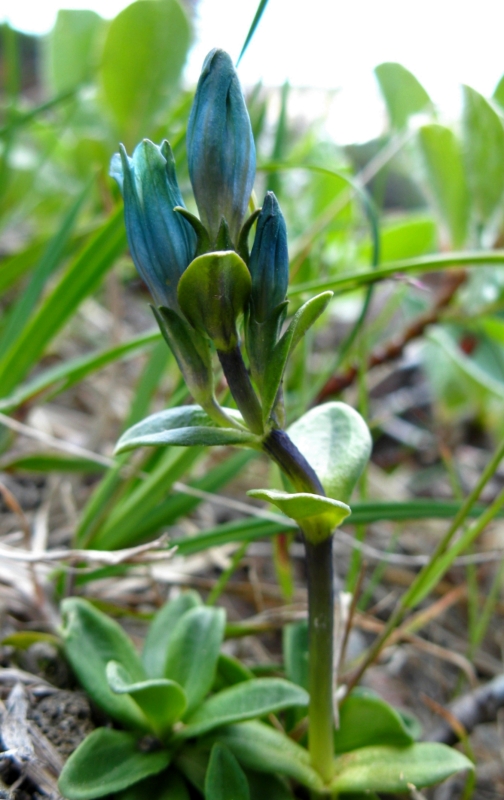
column 202, row 235
column 299, row 324
column 212, row 293
column 185, row 426
column 336, row 441
column 106, row 762
column 162, row 701
column 91, row 639
column 225, row 779
column 396, row 769
column 242, row 247
column 260, row 340
column 247, row 700
column 315, row 514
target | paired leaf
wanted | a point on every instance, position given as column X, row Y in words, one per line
column 106, row 762
column 392, row 769
column 246, row 700
column 91, row 639
column 225, row 779
column 310, row 510
column 184, row 426
column 366, row 719
column 336, row 441
column 193, row 651
column 160, row 632
column 299, row 324
column 162, row 701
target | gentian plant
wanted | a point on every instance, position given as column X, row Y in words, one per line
column 194, row 717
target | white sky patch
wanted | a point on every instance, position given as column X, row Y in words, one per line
column 335, row 44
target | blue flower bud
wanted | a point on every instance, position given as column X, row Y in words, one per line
column 220, row 147
column 269, row 260
column 162, row 243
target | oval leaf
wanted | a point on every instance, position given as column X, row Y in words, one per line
column 337, row 443
column 161, row 629
column 193, row 651
column 304, row 506
column 366, row 719
column 162, row 701
column 225, row 779
column 247, row 700
column 403, row 93
column 185, row 425
column 91, row 640
column 393, row 769
column 108, row 761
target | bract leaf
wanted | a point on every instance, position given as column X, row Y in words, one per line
column 106, row 762
column 193, row 651
column 262, row 748
column 186, row 425
column 366, row 719
column 247, row 700
column 161, row 630
column 299, row 324
column 213, row 292
column 162, row 701
column 225, row 778
column 336, row 441
column 394, row 769
column 91, row 640
column 303, row 506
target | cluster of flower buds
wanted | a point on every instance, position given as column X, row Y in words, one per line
column 199, row 271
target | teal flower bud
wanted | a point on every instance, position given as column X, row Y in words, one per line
column 161, row 241
column 220, row 147
column 269, row 260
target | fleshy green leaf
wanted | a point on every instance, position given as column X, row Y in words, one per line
column 193, row 651
column 446, row 177
column 247, row 700
column 230, row 671
column 483, row 139
column 225, row 779
column 299, row 324
column 108, row 761
column 392, row 769
column 184, row 426
column 91, row 640
column 212, row 292
column 303, row 506
column 162, row 701
column 336, row 441
column 161, row 630
column 403, row 93
column 268, row 786
column 143, row 57
column 262, row 748
column 366, row 719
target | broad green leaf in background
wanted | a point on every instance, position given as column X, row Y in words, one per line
column 483, row 143
column 269, row 786
column 403, row 93
column 446, row 179
column 144, row 52
column 91, row 639
column 106, row 762
column 412, row 236
column 225, row 779
column 336, row 441
column 161, row 629
column 394, row 769
column 366, row 719
column 183, row 426
column 171, row 787
column 73, row 48
column 247, row 700
column 193, row 651
column 295, row 650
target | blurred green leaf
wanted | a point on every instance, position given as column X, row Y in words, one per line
column 144, row 52
column 403, row 93
column 483, row 142
column 225, row 779
column 446, row 179
column 161, row 629
column 410, row 237
column 366, row 719
column 73, row 48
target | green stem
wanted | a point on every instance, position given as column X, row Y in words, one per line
column 320, row 632
column 241, row 388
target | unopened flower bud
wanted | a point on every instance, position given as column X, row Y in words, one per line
column 269, row 260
